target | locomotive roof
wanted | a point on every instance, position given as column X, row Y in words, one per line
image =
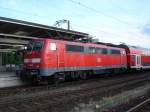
column 81, row 43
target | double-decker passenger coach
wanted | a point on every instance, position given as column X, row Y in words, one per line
column 137, row 58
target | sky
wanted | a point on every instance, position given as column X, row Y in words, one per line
column 113, row 21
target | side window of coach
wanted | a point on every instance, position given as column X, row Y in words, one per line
column 74, row 48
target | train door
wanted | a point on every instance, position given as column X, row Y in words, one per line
column 138, row 61
column 60, row 55
column 123, row 58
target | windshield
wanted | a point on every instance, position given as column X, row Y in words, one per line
column 35, row 46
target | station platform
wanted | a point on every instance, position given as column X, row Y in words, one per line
column 9, row 79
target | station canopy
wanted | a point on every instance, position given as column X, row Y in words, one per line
column 16, row 33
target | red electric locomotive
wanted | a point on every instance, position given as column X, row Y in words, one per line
column 48, row 58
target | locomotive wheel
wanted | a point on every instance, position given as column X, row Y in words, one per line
column 83, row 76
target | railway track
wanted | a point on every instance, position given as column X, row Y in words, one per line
column 30, row 89
column 141, row 107
column 53, row 97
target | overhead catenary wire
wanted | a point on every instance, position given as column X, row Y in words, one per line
column 73, row 1
column 99, row 30
column 106, row 15
column 99, row 12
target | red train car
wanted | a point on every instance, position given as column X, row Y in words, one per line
column 48, row 57
column 137, row 58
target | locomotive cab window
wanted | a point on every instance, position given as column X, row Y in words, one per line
column 35, row 46
column 74, row 48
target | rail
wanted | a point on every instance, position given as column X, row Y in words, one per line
column 139, row 106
